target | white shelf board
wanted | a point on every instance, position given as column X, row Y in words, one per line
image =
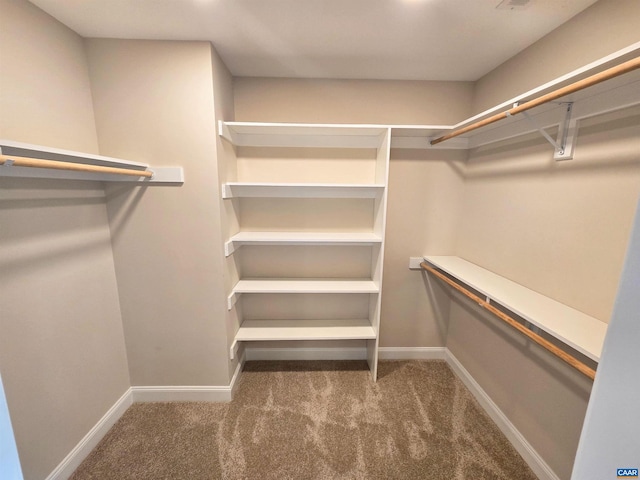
column 621, row 56
column 614, row 94
column 576, row 329
column 300, row 238
column 265, row 330
column 301, row 190
column 161, row 175
column 20, row 149
column 256, row 134
column 304, row 285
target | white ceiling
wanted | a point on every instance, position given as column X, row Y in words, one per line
column 368, row 39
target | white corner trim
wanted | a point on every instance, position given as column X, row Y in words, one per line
column 91, row 439
column 524, row 448
column 305, row 353
column 181, row 393
column 411, row 353
column 235, row 380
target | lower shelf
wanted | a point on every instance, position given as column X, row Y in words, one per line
column 305, row 285
column 282, row 330
column 572, row 327
column 264, row 330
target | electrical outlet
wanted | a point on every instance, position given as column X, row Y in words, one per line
column 414, row 263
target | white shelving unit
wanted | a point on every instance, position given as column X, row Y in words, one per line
column 572, row 327
column 302, row 145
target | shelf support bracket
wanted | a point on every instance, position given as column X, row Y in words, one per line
column 565, row 143
column 232, row 349
column 567, row 135
column 231, row 300
column 229, row 248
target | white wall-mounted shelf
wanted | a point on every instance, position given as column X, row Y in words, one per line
column 300, row 190
column 304, row 285
column 301, row 238
column 614, row 94
column 161, row 175
column 302, row 330
column 254, row 330
column 572, row 327
column 256, row 134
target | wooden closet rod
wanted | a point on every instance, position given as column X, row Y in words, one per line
column 561, row 92
column 78, row 167
column 558, row 352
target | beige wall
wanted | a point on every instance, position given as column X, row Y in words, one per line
column 154, row 102
column 425, row 195
column 46, row 96
column 605, row 27
column 560, row 228
column 62, row 351
column 351, row 101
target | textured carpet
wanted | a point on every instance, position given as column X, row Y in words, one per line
column 314, row 420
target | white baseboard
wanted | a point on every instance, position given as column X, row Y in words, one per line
column 181, row 393
column 384, row 353
column 237, row 374
column 305, row 353
column 186, row 393
column 91, row 439
column 411, row 353
column 141, row 394
column 526, row 451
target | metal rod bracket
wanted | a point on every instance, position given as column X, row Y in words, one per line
column 564, row 144
column 567, row 134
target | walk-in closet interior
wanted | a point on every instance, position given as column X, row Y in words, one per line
column 166, row 216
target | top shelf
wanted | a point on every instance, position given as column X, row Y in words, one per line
column 576, row 329
column 613, row 94
column 252, row 134
column 621, row 56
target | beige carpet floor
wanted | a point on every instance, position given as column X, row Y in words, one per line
column 314, row 420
